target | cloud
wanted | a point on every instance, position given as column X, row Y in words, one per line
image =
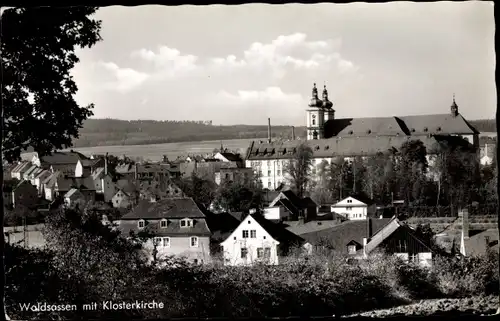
column 269, row 95
column 167, row 61
column 289, row 53
column 125, row 79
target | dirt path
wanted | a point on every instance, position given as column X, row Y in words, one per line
column 477, row 305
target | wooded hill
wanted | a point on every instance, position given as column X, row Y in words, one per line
column 105, row 132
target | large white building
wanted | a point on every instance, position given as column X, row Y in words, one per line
column 350, row 137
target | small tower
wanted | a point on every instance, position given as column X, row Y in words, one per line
column 454, row 108
column 315, row 116
column 329, row 112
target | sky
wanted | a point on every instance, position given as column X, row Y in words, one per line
column 244, row 64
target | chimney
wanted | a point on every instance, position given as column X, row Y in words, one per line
column 293, row 132
column 301, row 219
column 464, row 213
column 368, row 227
column 269, row 130
column 106, row 164
column 365, row 241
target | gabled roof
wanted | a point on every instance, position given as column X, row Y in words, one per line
column 98, row 173
column 308, row 202
column 300, row 228
column 338, row 236
column 89, row 162
column 381, row 126
column 288, row 205
column 21, row 166
column 476, row 244
column 30, row 170
column 57, row 158
column 221, row 224
column 231, row 157
column 51, row 180
column 277, row 231
column 386, row 232
column 43, row 175
column 35, row 173
column 166, row 208
column 363, row 198
column 81, row 183
column 72, row 192
column 440, row 124
column 124, row 168
column 126, row 186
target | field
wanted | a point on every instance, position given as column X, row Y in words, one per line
column 172, row 150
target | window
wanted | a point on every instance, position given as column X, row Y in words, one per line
column 163, row 223
column 269, row 184
column 278, row 172
column 268, row 163
column 267, row 252
column 349, row 201
column 186, row 223
column 245, row 234
column 349, row 208
column 244, row 252
column 351, row 249
column 141, row 224
column 402, row 246
column 314, row 122
column 227, row 176
column 194, row 241
column 253, row 234
column 166, row 242
column 260, row 253
column 268, row 173
column 414, row 258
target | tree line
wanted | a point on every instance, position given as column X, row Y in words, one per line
column 449, row 176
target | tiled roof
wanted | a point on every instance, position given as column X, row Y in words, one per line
column 346, row 147
column 30, row 170
column 43, row 175
column 35, row 173
column 300, row 228
column 476, row 243
column 221, row 225
column 277, row 231
column 98, row 173
column 72, row 192
column 173, row 229
column 81, row 183
column 440, row 124
column 288, row 205
column 51, row 180
column 62, row 158
column 362, row 197
column 166, row 208
column 231, row 157
column 339, row 236
column 21, row 166
column 381, row 126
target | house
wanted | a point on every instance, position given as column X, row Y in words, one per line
column 84, row 184
column 159, row 188
column 476, row 242
column 487, row 153
column 238, row 174
column 72, row 197
column 359, row 239
column 26, row 175
column 48, row 185
column 33, row 175
column 229, row 158
column 293, row 207
column 24, row 194
column 20, row 169
column 125, row 171
column 85, row 167
column 64, row 161
column 122, row 199
column 321, row 222
column 103, row 184
column 177, row 227
column 355, row 207
column 257, row 240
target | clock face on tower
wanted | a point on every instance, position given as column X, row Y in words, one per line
column 313, row 116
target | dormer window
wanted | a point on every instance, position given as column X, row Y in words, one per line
column 163, row 223
column 186, row 222
column 425, row 129
column 141, row 223
column 413, row 130
column 439, row 129
column 350, row 132
column 327, row 147
column 369, row 131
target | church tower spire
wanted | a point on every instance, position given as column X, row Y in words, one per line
column 328, row 111
column 315, row 116
column 454, row 107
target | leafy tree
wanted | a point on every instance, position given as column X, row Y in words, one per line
column 37, row 57
column 359, row 173
column 336, row 177
column 319, row 187
column 299, row 168
column 375, row 177
column 238, row 197
column 412, row 167
column 202, row 190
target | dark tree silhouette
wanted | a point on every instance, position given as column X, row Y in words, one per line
column 299, row 168
column 37, row 53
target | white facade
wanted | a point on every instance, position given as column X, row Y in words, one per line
column 79, row 171
column 105, row 186
column 250, row 243
column 422, row 259
column 276, row 213
column 353, row 209
column 315, row 120
column 49, row 193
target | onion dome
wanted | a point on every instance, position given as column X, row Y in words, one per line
column 454, row 107
column 326, row 103
column 315, row 101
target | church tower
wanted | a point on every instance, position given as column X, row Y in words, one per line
column 327, row 107
column 454, row 108
column 315, row 117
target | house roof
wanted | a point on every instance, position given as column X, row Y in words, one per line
column 341, row 146
column 81, row 183
column 382, row 235
column 199, row 228
column 231, row 157
column 238, row 215
column 98, row 173
column 308, row 202
column 51, row 180
column 89, row 162
column 21, row 166
column 382, row 126
column 288, row 205
column 56, row 158
column 72, row 192
column 362, row 198
column 35, row 173
column 476, row 243
column 300, row 228
column 30, row 170
column 277, row 231
column 221, row 225
column 441, row 124
column 124, row 168
column 339, row 235
column 167, row 208
column 43, row 174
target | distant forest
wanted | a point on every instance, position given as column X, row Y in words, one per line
column 105, row 132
